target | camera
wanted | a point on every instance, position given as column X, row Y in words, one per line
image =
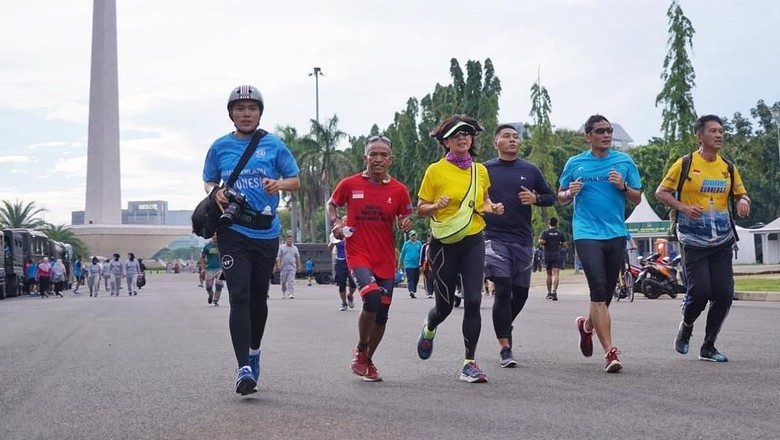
column 237, row 201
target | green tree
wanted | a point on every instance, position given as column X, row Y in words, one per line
column 679, row 114
column 541, row 146
column 325, row 163
column 21, row 215
column 66, row 235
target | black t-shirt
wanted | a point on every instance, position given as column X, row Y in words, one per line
column 506, row 179
column 553, row 238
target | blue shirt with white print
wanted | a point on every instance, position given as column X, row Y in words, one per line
column 272, row 159
column 599, row 207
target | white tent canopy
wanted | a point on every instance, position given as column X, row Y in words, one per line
column 643, row 213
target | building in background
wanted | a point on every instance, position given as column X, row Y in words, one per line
column 146, row 212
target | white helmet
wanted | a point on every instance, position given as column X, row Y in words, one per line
column 245, row 92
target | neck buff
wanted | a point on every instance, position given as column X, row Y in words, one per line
column 463, row 162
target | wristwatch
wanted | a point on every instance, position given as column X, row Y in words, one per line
column 625, row 187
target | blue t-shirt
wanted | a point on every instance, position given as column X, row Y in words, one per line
column 341, row 252
column 77, row 268
column 599, row 208
column 309, row 265
column 32, row 270
column 506, row 179
column 410, row 254
column 272, row 159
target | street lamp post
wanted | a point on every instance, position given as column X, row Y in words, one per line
column 317, row 73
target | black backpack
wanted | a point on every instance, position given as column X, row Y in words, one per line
column 686, row 168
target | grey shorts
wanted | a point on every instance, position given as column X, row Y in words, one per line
column 509, row 260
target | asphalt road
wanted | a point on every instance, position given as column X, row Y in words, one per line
column 160, row 366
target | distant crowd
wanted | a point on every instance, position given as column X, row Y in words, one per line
column 49, row 277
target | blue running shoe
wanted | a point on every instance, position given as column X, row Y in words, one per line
column 683, row 339
column 245, row 382
column 472, row 373
column 425, row 343
column 710, row 353
column 254, row 363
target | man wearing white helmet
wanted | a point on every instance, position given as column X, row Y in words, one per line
column 248, row 237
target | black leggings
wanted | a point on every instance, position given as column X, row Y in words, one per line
column 247, row 264
column 710, row 279
column 508, row 303
column 601, row 261
column 463, row 262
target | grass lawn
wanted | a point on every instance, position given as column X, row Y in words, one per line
column 758, row 283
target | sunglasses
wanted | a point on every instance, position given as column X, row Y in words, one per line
column 380, row 138
column 603, row 130
column 460, row 134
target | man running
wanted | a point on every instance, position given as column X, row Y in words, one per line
column 212, row 266
column 705, row 230
column 552, row 239
column 341, row 271
column 518, row 184
column 599, row 181
column 375, row 201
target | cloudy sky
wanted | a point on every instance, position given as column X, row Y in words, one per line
column 178, row 61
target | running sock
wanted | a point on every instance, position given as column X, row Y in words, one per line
column 428, row 333
column 254, row 351
column 362, row 347
column 466, row 361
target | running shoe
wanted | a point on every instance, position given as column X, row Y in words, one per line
column 472, row 373
column 549, row 295
column 554, row 296
column 360, row 362
column 372, row 374
column 429, row 296
column 613, row 364
column 412, row 295
column 291, row 296
column 254, row 363
column 425, row 343
column 216, row 303
column 343, row 307
column 681, row 342
column 507, row 360
column 351, row 301
column 245, row 382
column 211, row 299
column 586, row 338
column 710, row 353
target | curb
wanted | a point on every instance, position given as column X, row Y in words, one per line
column 758, row 296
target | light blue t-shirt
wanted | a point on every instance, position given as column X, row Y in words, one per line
column 410, row 254
column 272, row 159
column 599, row 208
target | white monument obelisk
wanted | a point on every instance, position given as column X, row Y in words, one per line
column 103, row 204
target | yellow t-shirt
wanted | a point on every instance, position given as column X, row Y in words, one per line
column 708, row 188
column 445, row 179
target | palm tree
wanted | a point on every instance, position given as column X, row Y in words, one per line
column 21, row 215
column 323, row 161
column 64, row 234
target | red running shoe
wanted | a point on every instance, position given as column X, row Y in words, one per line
column 360, row 362
column 372, row 374
column 586, row 338
column 613, row 364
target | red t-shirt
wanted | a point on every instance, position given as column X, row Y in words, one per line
column 372, row 208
